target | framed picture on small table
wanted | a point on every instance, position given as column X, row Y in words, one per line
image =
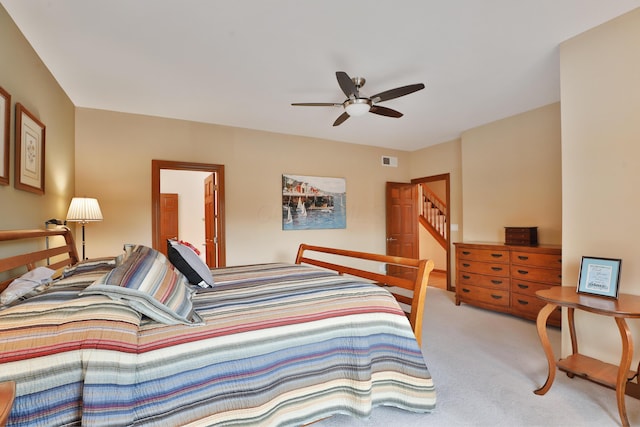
column 599, row 276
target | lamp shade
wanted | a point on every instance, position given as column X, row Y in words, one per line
column 84, row 209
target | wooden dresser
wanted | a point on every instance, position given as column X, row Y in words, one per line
column 506, row 277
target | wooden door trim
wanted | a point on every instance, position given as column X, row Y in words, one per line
column 446, row 178
column 156, row 167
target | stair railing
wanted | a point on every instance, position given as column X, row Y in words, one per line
column 433, row 212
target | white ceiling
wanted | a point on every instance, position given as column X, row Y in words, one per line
column 243, row 62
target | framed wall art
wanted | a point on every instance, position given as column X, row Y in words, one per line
column 5, row 114
column 313, row 202
column 30, row 144
column 599, row 276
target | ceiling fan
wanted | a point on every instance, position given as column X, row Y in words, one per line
column 356, row 105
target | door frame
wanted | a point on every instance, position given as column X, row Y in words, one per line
column 447, row 179
column 156, row 167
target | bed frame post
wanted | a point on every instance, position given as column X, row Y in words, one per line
column 419, row 297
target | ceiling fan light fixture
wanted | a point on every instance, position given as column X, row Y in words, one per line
column 357, row 107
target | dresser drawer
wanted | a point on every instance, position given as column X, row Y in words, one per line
column 552, row 276
column 527, row 288
column 494, row 282
column 488, row 255
column 471, row 294
column 528, row 307
column 491, row 268
column 535, row 259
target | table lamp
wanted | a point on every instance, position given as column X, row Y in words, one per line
column 84, row 210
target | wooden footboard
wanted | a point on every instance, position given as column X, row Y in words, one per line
column 402, row 273
column 65, row 254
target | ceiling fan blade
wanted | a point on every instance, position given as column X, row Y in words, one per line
column 344, row 116
column 396, row 93
column 317, row 104
column 346, row 84
column 384, row 111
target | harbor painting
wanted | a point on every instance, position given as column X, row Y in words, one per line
column 313, row 202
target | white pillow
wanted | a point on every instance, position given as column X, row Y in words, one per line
column 39, row 276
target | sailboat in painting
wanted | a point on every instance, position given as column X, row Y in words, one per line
column 289, row 219
column 302, row 211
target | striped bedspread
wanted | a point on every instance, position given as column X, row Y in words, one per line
column 281, row 345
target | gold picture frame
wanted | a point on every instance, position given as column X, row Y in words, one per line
column 5, row 119
column 30, row 151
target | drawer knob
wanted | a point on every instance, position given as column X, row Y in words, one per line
column 464, row 276
column 496, row 282
column 523, row 286
column 496, row 255
column 496, row 268
column 465, row 290
column 523, row 257
column 466, row 252
column 523, row 302
column 466, row 265
column 523, row 272
column 496, row 296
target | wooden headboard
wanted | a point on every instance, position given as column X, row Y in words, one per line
column 411, row 274
column 65, row 253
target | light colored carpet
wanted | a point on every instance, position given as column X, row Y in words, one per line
column 485, row 366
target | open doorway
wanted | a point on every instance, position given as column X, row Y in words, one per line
column 434, row 194
column 211, row 192
column 418, row 223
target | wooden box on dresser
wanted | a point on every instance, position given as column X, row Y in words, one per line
column 505, row 278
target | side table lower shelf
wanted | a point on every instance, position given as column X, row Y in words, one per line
column 618, row 377
column 595, row 370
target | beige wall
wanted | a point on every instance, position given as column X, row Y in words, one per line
column 28, row 81
column 113, row 163
column 504, row 173
column 600, row 148
column 512, row 176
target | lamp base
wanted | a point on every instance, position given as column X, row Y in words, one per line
column 83, row 253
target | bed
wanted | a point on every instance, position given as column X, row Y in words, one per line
column 268, row 344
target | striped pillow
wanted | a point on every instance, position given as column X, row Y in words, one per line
column 93, row 265
column 149, row 284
